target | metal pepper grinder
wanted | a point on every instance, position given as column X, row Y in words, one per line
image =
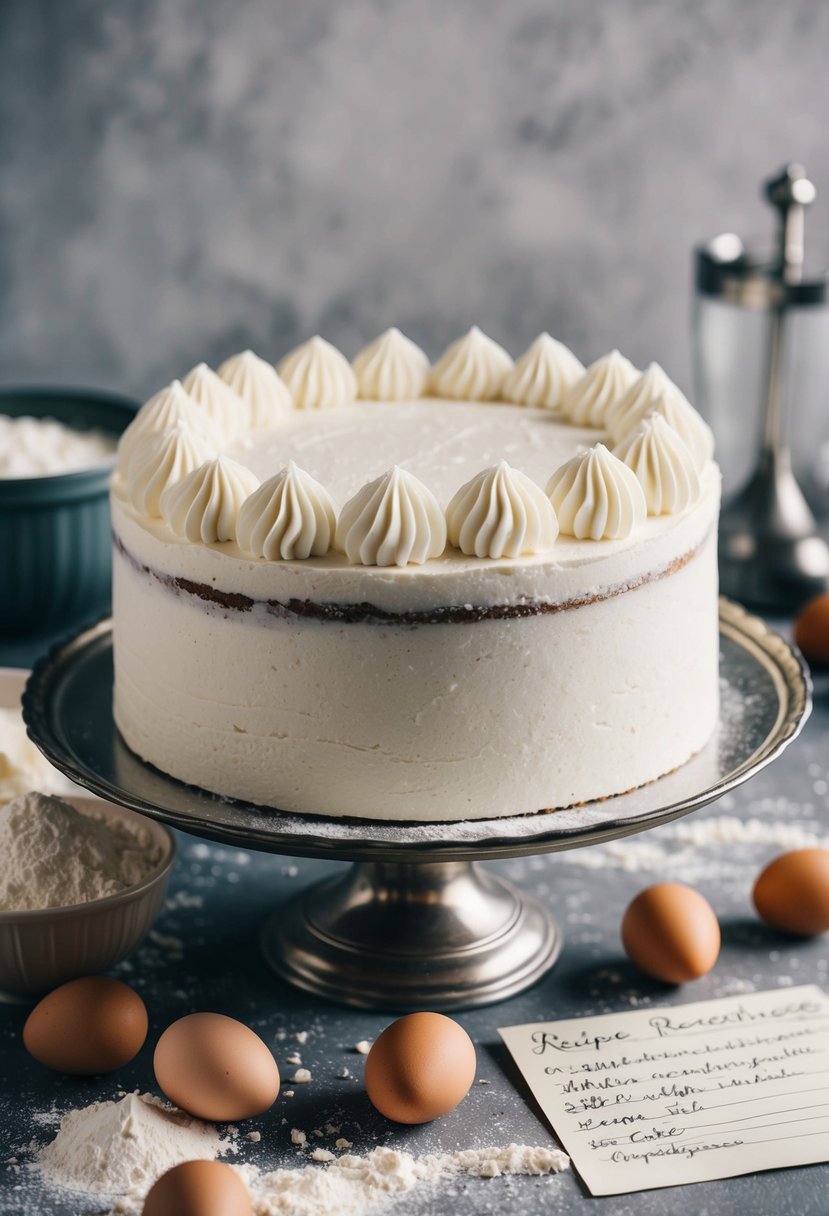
column 771, row 553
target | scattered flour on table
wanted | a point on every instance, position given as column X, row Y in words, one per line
column 120, row 1148
column 352, row 1185
column 662, row 855
column 52, row 855
column 22, row 766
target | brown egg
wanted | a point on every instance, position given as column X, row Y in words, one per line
column 198, row 1188
column 419, row 1068
column 811, row 630
column 792, row 893
column 87, row 1026
column 215, row 1068
column 671, row 933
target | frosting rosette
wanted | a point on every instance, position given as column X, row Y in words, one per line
column 687, row 423
column 260, row 387
column 170, row 407
column 589, row 401
column 543, row 375
column 224, row 407
column 393, row 521
column 289, row 516
column 596, row 496
column 501, row 513
column 472, row 369
column 391, row 368
column 318, row 376
column 160, row 460
column 204, row 505
column 663, row 464
column 653, row 383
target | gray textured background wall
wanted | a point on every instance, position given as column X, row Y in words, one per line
column 179, row 178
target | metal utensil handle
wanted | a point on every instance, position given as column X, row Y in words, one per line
column 790, row 192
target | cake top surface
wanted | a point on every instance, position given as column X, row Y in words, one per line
column 390, row 462
column 443, row 443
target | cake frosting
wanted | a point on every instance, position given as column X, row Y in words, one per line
column 472, row 369
column 501, row 513
column 318, row 376
column 663, row 465
column 259, row 385
column 290, row 516
column 543, row 375
column 597, row 497
column 592, row 398
column 426, row 602
column 223, row 407
column 391, row 368
column 393, row 521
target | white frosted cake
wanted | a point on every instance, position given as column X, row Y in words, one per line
column 399, row 591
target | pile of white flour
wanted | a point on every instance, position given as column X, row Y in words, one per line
column 52, row 855
column 113, row 1148
column 118, row 1149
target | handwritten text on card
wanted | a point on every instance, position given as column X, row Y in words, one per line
column 689, row 1093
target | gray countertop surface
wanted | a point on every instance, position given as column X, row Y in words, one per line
column 204, row 954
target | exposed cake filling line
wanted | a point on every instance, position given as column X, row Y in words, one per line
column 367, row 613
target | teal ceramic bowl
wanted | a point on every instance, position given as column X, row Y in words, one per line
column 55, row 546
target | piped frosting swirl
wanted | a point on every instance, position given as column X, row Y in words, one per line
column 160, row 460
column 170, row 407
column 224, row 407
column 543, row 375
column 391, row 368
column 318, row 376
column 596, row 496
column 260, row 387
column 589, row 401
column 472, row 369
column 205, row 504
column 501, row 513
column 290, row 516
column 393, row 521
column 663, row 465
column 641, row 396
column 687, row 423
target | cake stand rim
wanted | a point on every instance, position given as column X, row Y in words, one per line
column 769, row 649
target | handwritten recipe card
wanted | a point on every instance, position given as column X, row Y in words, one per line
column 687, row 1093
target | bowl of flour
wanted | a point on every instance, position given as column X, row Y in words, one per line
column 57, row 452
column 82, row 882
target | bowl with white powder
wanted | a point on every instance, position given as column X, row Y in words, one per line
column 82, row 881
column 57, row 451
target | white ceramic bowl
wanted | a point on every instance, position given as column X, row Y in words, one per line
column 43, row 948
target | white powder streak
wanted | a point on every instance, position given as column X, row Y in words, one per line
column 119, row 1149
column 352, row 1185
column 647, row 855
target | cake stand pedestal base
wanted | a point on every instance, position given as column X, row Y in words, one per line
column 421, row 935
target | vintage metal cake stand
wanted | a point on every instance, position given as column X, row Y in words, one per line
column 416, row 922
